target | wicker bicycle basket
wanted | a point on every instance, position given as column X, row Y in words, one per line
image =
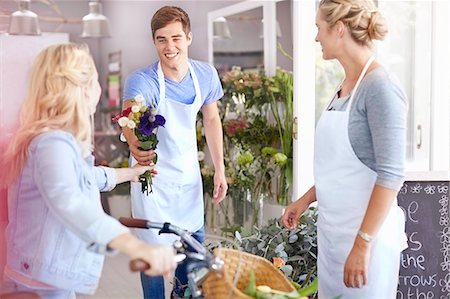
column 232, row 282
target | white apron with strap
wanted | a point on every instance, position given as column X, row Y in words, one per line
column 177, row 188
column 343, row 189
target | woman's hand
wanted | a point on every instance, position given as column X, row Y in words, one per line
column 160, row 258
column 132, row 174
column 140, row 169
column 357, row 264
column 293, row 212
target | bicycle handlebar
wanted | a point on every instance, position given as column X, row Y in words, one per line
column 139, row 265
column 201, row 259
column 166, row 228
column 133, row 222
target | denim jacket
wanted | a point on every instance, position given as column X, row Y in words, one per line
column 55, row 214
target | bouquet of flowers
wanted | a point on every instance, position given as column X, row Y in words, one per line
column 144, row 122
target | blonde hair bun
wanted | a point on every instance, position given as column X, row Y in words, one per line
column 362, row 17
column 377, row 29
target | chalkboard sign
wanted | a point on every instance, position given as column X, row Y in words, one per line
column 425, row 265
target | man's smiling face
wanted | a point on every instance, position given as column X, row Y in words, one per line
column 172, row 44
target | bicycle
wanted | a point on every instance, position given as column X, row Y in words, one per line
column 201, row 263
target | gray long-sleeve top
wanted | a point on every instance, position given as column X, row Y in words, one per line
column 377, row 126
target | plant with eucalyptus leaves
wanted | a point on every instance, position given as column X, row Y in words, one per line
column 297, row 248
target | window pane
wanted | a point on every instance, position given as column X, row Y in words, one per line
column 329, row 74
column 399, row 51
column 406, row 54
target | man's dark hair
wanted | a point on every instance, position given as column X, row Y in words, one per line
column 170, row 14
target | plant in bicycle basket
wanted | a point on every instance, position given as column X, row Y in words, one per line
column 144, row 122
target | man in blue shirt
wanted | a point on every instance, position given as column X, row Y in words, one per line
column 179, row 87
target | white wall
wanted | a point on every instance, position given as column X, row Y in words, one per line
column 130, row 28
column 71, row 9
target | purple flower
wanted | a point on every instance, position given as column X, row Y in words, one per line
column 160, row 120
column 148, row 122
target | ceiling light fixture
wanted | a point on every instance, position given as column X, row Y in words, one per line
column 221, row 28
column 24, row 21
column 95, row 24
column 278, row 28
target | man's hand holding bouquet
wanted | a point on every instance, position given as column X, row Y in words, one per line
column 144, row 122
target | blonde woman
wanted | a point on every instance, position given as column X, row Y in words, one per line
column 57, row 229
column 359, row 161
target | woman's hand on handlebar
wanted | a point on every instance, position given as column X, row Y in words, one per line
column 160, row 258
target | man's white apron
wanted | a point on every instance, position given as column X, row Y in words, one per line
column 177, row 189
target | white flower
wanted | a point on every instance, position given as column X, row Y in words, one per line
column 240, row 108
column 135, row 109
column 131, row 124
column 139, row 98
column 143, row 108
column 200, row 155
column 231, row 115
column 123, row 121
column 122, row 138
column 153, row 111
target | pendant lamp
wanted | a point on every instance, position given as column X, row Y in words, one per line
column 24, row 21
column 95, row 24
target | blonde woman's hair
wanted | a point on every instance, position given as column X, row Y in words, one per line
column 58, row 99
column 361, row 16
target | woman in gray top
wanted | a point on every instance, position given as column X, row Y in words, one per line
column 358, row 162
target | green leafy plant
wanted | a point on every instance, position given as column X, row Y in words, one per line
column 256, row 113
column 282, row 92
column 259, row 112
column 254, row 87
column 297, row 248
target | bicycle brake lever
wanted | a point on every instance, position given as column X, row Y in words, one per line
column 196, row 256
column 180, row 257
